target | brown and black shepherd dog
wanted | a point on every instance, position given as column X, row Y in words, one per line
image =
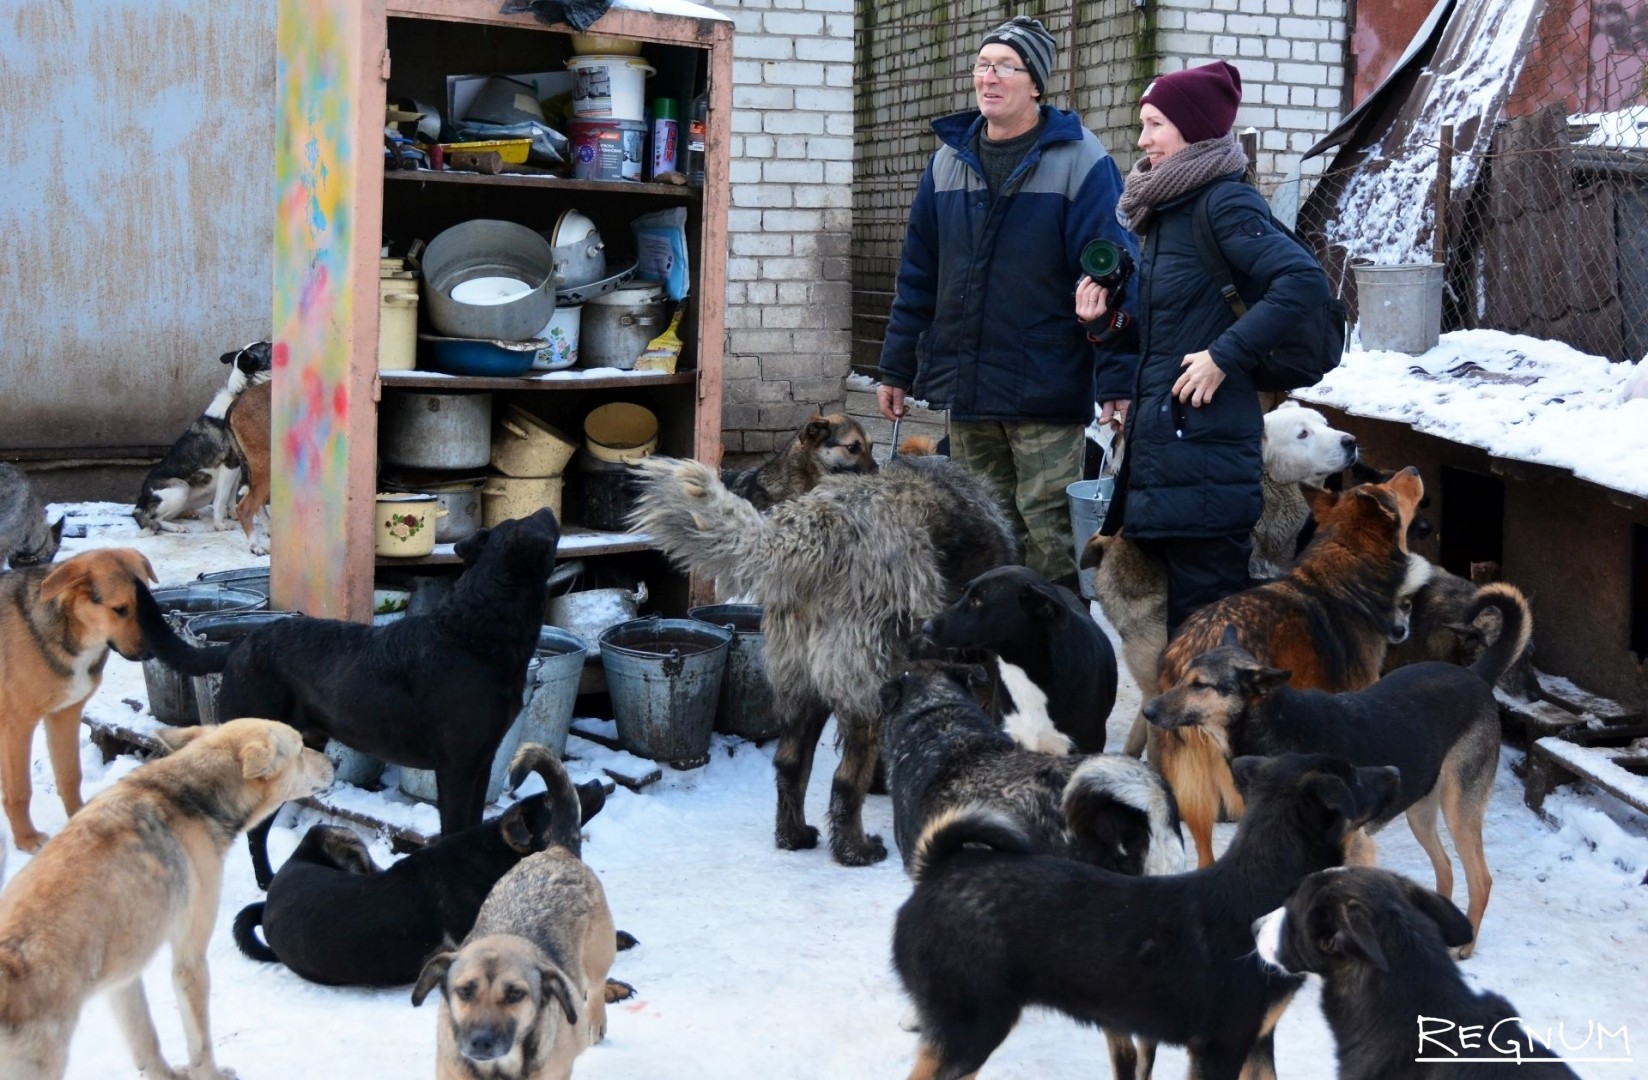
column 1326, row 621
column 825, row 446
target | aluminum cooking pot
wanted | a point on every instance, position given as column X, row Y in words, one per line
column 483, row 248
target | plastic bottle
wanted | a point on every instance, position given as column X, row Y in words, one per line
column 666, row 130
column 697, row 120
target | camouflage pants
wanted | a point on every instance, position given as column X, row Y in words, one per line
column 1030, row 463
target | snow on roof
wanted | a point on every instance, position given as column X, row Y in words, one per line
column 1622, row 129
column 1515, row 397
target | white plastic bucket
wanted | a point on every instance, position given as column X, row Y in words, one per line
column 1399, row 308
column 609, row 87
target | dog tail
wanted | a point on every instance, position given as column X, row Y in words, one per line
column 698, row 523
column 246, row 925
column 1515, row 628
column 1104, row 780
column 952, row 830
column 170, row 649
column 918, row 446
column 565, row 808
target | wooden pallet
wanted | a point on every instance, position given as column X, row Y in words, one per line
column 1621, row 771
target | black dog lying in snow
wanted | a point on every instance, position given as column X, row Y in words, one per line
column 1380, row 943
column 1055, row 669
column 432, row 691
column 335, row 918
column 1168, row 959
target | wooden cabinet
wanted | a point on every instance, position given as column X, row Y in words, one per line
column 339, row 61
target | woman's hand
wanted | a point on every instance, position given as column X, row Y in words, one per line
column 1114, row 412
column 1092, row 300
column 1201, row 376
column 890, row 399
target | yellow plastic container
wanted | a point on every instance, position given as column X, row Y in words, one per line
column 513, row 151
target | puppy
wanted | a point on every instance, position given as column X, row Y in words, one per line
column 334, row 918
column 202, row 467
column 1381, row 944
column 26, row 537
column 140, row 866
column 249, row 428
column 57, row 626
column 1437, row 723
column 430, row 691
column 1055, row 669
column 1328, row 621
column 825, row 446
column 527, row 991
column 987, row 933
column 1439, row 630
column 1300, row 448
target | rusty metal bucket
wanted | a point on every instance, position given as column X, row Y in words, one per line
column 746, row 706
column 172, row 693
column 664, row 678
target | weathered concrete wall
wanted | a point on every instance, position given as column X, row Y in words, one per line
column 138, row 216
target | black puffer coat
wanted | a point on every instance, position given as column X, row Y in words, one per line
column 1195, row 472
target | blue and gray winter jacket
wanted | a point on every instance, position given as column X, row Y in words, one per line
column 984, row 320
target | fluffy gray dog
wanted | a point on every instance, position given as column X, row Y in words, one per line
column 846, row 573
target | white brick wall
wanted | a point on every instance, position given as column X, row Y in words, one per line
column 789, row 303
column 1291, row 56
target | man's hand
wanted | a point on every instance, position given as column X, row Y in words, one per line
column 1114, row 412
column 1201, row 376
column 890, row 399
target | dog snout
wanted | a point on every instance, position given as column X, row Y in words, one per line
column 1397, row 634
column 487, row 1042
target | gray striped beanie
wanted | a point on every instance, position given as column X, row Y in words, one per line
column 1030, row 39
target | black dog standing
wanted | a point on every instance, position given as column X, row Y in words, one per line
column 432, row 691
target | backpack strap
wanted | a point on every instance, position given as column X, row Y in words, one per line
column 1213, row 260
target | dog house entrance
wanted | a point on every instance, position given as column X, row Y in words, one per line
column 1473, row 520
column 1639, row 591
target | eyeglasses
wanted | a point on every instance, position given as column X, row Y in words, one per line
column 1003, row 71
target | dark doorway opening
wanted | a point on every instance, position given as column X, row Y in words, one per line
column 1639, row 591
column 1473, row 520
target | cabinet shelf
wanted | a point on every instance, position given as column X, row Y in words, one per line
column 549, row 380
column 557, row 183
column 576, row 542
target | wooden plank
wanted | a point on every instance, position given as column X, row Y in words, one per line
column 1553, row 758
column 508, row 179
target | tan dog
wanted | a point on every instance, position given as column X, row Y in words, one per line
column 527, row 991
column 57, row 625
column 141, row 865
column 249, row 428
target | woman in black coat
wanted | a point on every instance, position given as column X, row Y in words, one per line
column 1190, row 487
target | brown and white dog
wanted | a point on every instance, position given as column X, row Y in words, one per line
column 57, row 625
column 140, row 866
column 249, row 429
column 825, row 446
column 1327, row 622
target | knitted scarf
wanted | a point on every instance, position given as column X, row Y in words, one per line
column 1149, row 187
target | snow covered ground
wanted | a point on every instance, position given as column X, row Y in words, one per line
column 758, row 963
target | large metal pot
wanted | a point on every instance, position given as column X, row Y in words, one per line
column 485, row 248
column 618, row 325
column 435, row 429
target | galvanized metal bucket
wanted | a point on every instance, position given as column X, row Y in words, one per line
column 547, row 717
column 746, row 705
column 172, row 693
column 249, row 578
column 1089, row 500
column 664, row 678
column 220, row 629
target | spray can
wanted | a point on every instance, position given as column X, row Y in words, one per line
column 666, row 133
column 697, row 120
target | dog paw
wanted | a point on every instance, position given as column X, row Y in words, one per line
column 224, row 526
column 30, row 840
column 172, row 527
column 626, row 940
column 803, row 839
column 260, row 549
column 910, row 1021
column 868, row 853
column 619, row 991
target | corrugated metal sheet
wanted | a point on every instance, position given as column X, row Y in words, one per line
column 139, row 212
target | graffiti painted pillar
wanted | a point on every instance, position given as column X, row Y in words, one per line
column 328, row 206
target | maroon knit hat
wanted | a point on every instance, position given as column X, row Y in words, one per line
column 1200, row 101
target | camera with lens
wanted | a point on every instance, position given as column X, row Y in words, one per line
column 1109, row 265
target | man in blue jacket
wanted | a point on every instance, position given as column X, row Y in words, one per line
column 983, row 320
